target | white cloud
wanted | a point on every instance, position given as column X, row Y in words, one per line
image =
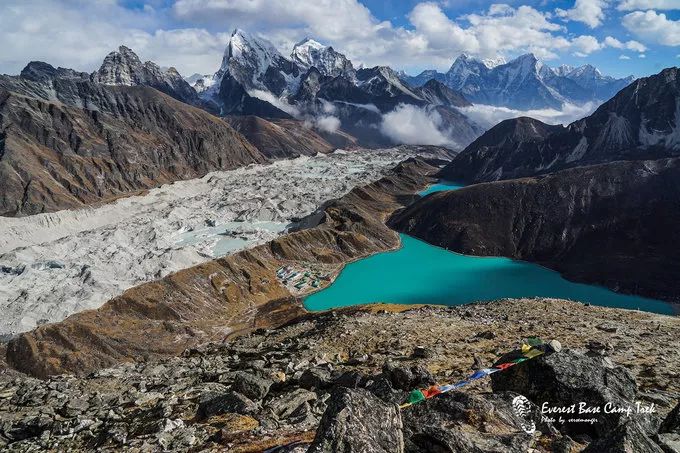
column 653, row 27
column 585, row 45
column 590, row 12
column 191, row 34
column 276, row 102
column 642, row 56
column 630, row 5
column 327, row 123
column 624, row 57
column 630, row 45
column 414, row 126
column 78, row 34
column 488, row 115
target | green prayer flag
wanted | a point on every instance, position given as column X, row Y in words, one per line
column 416, row 396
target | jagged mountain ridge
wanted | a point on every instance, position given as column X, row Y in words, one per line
column 308, row 53
column 123, row 67
column 640, row 122
column 68, row 141
column 317, row 81
column 523, row 83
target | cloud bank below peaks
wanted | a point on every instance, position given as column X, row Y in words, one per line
column 488, row 116
column 413, row 125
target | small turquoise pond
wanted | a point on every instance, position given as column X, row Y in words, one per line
column 441, row 186
column 420, row 273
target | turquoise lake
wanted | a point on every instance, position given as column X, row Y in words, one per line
column 420, row 273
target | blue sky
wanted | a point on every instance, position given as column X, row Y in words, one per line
column 621, row 37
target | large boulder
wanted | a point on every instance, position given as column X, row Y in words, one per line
column 669, row 432
column 629, row 437
column 357, row 421
column 251, row 385
column 458, row 422
column 575, row 382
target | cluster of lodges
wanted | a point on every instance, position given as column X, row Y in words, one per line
column 300, row 278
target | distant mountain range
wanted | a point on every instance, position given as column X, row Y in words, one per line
column 71, row 138
column 315, row 82
column 640, row 122
column 523, row 83
column 598, row 200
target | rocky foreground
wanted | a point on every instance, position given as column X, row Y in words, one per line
column 332, row 382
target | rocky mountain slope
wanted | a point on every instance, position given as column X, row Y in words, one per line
column 640, row 122
column 331, row 382
column 613, row 224
column 223, row 297
column 523, row 83
column 284, row 138
column 68, row 142
column 123, row 67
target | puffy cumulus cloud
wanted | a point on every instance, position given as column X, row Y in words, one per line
column 630, row 45
column 653, row 27
column 191, row 34
column 432, row 39
column 585, row 45
column 590, row 12
column 630, row 5
column 523, row 29
column 413, row 125
column 440, row 32
column 488, row 115
column 79, row 33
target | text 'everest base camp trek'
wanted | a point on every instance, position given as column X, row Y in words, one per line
column 296, row 254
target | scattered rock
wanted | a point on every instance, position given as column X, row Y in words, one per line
column 487, row 335
column 404, row 378
column 251, row 385
column 315, row 378
column 608, row 327
column 216, row 402
column 284, row 405
column 420, row 352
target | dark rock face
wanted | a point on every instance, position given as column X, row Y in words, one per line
column 439, row 94
column 640, row 122
column 251, row 385
column 629, row 437
column 458, row 422
column 568, row 378
column 357, row 421
column 102, row 141
column 627, row 211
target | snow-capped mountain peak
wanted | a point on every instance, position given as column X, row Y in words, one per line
column 493, row 62
column 308, row 53
column 256, row 64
